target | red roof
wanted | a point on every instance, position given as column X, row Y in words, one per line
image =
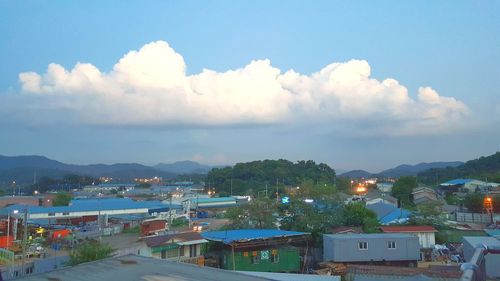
column 408, row 228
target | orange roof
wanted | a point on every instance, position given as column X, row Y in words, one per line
column 408, row 228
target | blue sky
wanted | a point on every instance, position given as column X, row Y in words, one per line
column 452, row 47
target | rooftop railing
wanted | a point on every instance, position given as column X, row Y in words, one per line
column 475, row 269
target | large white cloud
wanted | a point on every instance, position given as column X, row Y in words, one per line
column 150, row 87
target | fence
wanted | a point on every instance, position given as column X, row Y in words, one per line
column 476, row 217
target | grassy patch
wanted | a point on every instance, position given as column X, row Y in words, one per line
column 135, row 229
column 455, row 236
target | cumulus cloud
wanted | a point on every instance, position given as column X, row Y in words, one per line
column 150, row 87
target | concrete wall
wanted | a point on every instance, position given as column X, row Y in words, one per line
column 347, row 250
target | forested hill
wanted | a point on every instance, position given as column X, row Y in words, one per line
column 252, row 177
column 482, row 168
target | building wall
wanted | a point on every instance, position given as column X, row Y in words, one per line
column 426, row 239
column 175, row 254
column 288, row 260
column 347, row 250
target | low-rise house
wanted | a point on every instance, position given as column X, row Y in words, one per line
column 385, row 186
column 153, row 226
column 383, row 198
column 425, row 233
column 183, row 246
column 388, row 213
column 346, row 230
column 267, row 250
column 492, row 261
column 381, row 248
column 422, row 195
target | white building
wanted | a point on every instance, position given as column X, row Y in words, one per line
column 425, row 234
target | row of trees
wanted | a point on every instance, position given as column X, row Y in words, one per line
column 68, row 182
column 251, row 177
column 482, row 168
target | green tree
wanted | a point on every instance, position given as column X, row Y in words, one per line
column 89, row 251
column 258, row 213
column 403, row 188
column 62, row 199
column 316, row 218
column 474, row 202
column 428, row 214
column 356, row 214
column 143, row 185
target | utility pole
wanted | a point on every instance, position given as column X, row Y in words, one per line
column 277, row 194
column 266, row 190
column 231, row 186
column 25, row 238
column 170, row 211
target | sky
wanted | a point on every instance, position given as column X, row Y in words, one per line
column 354, row 84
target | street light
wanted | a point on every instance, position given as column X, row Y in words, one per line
column 8, row 226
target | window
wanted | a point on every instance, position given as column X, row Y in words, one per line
column 275, row 258
column 65, row 214
column 391, row 245
column 172, row 253
column 52, row 214
column 256, row 259
column 362, row 245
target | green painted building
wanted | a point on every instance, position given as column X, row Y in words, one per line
column 267, row 250
column 282, row 259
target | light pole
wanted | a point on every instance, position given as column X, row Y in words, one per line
column 8, row 226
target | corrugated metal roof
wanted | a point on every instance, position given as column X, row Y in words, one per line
column 381, row 209
column 408, row 228
column 241, row 235
column 133, row 267
column 82, row 205
column 212, row 200
column 457, row 182
column 398, row 215
column 155, row 241
column 493, row 232
column 369, row 235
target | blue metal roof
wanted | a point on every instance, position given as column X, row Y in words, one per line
column 387, row 213
column 212, row 200
column 82, row 205
column 458, row 182
column 242, row 235
column 493, row 232
column 397, row 215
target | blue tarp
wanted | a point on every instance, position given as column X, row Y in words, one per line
column 241, row 235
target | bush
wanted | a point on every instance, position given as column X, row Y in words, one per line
column 90, row 251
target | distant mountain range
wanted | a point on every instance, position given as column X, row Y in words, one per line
column 485, row 168
column 401, row 170
column 22, row 169
column 184, row 167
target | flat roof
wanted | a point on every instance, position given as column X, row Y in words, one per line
column 408, row 228
column 132, row 267
column 369, row 236
column 480, row 240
